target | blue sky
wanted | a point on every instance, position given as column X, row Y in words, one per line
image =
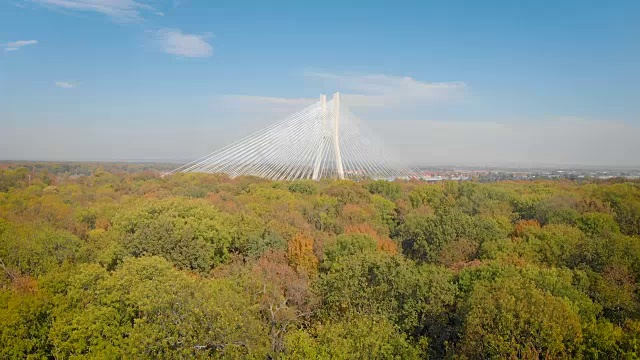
column 447, row 82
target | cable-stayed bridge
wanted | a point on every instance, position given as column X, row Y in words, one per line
column 323, row 140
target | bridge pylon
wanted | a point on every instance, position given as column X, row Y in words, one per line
column 323, row 140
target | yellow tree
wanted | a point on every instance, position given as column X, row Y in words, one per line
column 300, row 254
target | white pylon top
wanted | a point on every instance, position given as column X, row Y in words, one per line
column 323, row 140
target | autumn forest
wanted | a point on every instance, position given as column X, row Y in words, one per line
column 114, row 261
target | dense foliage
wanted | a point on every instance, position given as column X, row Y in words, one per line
column 128, row 264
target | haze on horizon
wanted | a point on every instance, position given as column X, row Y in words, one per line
column 465, row 83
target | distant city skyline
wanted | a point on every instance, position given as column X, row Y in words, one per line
column 445, row 83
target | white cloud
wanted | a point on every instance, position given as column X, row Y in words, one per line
column 66, row 84
column 119, row 10
column 385, row 90
column 16, row 45
column 159, row 13
column 176, row 42
column 21, row 43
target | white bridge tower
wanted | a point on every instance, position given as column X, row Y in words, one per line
column 323, row 140
column 336, row 134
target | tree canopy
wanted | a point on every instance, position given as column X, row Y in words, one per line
column 115, row 261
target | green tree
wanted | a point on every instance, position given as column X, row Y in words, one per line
column 303, row 187
column 514, row 319
column 597, row 224
column 191, row 234
column 424, row 237
column 348, row 192
column 359, row 337
column 347, row 245
column 24, row 324
column 363, row 281
column 624, row 200
column 430, row 195
column 34, row 250
column 147, row 309
column 389, row 190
